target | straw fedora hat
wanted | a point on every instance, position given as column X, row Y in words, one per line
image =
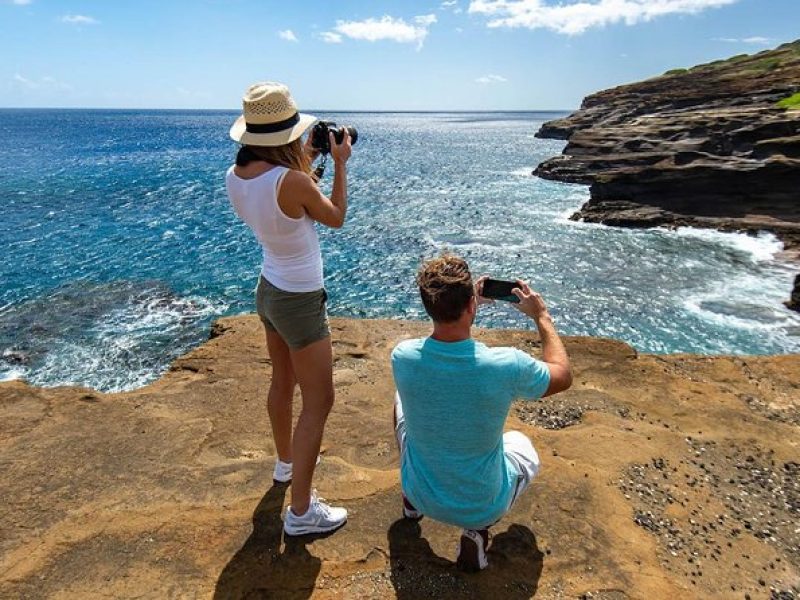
column 270, row 117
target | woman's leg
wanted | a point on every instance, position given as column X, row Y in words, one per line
column 313, row 367
column 281, row 392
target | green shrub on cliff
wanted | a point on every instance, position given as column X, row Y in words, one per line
column 792, row 102
column 768, row 64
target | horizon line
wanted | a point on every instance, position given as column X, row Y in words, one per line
column 310, row 110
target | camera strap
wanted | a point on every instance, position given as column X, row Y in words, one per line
column 320, row 170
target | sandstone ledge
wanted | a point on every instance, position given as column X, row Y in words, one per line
column 663, row 476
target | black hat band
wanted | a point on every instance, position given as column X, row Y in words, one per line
column 273, row 127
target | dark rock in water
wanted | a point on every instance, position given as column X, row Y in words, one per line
column 15, row 357
column 794, row 301
column 707, row 146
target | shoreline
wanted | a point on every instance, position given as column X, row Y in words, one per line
column 702, row 147
column 213, row 326
column 166, row 490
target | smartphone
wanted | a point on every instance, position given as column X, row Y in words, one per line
column 500, row 290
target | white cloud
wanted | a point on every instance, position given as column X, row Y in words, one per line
column 79, row 20
column 576, row 17
column 451, row 5
column 330, row 37
column 486, row 79
column 757, row 40
column 19, row 79
column 287, row 35
column 46, row 83
column 387, row 28
column 21, row 2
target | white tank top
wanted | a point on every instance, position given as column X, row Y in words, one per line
column 292, row 259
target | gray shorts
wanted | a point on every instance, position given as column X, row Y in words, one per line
column 299, row 318
column 518, row 449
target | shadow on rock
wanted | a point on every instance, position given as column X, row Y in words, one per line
column 260, row 569
column 515, row 565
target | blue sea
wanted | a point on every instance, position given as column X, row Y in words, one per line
column 120, row 247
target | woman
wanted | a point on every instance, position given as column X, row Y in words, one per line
column 271, row 189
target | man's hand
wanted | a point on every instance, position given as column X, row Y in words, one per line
column 530, row 302
column 553, row 352
column 341, row 152
column 479, row 291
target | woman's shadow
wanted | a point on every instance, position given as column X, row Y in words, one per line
column 417, row 572
column 260, row 569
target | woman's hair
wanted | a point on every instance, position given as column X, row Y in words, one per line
column 291, row 155
column 445, row 285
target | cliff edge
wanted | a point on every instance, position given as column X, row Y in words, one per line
column 717, row 145
column 663, row 476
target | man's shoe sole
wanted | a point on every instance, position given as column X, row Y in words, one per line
column 315, row 529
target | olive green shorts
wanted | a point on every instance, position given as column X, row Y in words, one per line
column 299, row 318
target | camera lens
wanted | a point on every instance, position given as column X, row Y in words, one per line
column 338, row 134
column 353, row 134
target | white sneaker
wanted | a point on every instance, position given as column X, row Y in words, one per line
column 282, row 473
column 319, row 518
column 409, row 512
column 472, row 550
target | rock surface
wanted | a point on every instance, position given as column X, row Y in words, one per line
column 663, row 477
column 706, row 147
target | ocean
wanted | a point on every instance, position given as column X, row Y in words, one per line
column 121, row 248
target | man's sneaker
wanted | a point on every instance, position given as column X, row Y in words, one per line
column 472, row 550
column 319, row 518
column 283, row 471
column 409, row 512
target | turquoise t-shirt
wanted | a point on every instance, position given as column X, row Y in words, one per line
column 456, row 397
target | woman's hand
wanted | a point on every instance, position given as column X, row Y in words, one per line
column 341, row 152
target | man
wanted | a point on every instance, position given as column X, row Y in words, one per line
column 453, row 397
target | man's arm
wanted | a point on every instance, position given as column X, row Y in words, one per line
column 553, row 352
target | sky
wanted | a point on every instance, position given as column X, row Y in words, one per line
column 377, row 55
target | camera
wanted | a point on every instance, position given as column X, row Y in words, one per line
column 319, row 135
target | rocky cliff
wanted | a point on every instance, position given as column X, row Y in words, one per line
column 717, row 145
column 663, row 477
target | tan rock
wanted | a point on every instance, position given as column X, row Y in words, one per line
column 166, row 491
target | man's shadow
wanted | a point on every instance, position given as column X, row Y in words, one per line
column 416, row 572
column 259, row 569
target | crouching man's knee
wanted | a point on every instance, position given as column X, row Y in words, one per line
column 520, row 451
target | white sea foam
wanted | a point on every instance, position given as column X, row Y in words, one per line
column 748, row 302
column 702, row 306
column 564, row 216
column 13, row 373
column 118, row 354
column 761, row 247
